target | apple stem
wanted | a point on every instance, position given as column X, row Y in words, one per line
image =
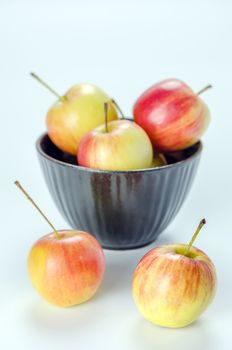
column 160, row 155
column 204, row 89
column 17, row 183
column 106, row 116
column 118, row 108
column 201, row 224
column 36, row 77
column 163, row 158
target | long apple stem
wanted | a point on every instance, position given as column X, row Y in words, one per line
column 106, row 116
column 204, row 89
column 17, row 183
column 118, row 108
column 201, row 224
column 36, row 77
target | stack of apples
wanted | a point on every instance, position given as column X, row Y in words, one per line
column 84, row 122
column 172, row 284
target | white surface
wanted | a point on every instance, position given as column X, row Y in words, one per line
column 123, row 46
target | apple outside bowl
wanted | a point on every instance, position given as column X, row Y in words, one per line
column 122, row 209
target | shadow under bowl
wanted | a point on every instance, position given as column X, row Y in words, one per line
column 122, row 209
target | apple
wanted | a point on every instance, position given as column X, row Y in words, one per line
column 118, row 145
column 75, row 114
column 173, row 284
column 173, row 116
column 66, row 267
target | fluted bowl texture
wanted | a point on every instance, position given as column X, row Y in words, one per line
column 122, row 209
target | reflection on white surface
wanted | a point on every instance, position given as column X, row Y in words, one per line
column 50, row 319
column 193, row 337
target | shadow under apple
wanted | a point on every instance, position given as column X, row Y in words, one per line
column 50, row 319
column 145, row 335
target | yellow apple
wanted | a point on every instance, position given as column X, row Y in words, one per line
column 123, row 146
column 79, row 112
column 75, row 114
column 174, row 284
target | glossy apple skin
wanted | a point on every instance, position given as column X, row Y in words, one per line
column 80, row 111
column 173, row 116
column 125, row 146
column 173, row 290
column 66, row 271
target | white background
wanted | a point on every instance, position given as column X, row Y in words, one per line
column 124, row 47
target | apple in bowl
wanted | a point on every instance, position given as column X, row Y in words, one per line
column 118, row 145
column 173, row 115
column 75, row 113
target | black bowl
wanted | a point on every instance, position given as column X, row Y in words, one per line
column 122, row 209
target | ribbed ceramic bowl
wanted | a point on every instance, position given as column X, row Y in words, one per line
column 122, row 209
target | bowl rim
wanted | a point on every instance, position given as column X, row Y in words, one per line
column 92, row 170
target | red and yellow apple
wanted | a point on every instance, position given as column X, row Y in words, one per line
column 173, row 116
column 75, row 114
column 66, row 269
column 173, row 285
column 123, row 145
